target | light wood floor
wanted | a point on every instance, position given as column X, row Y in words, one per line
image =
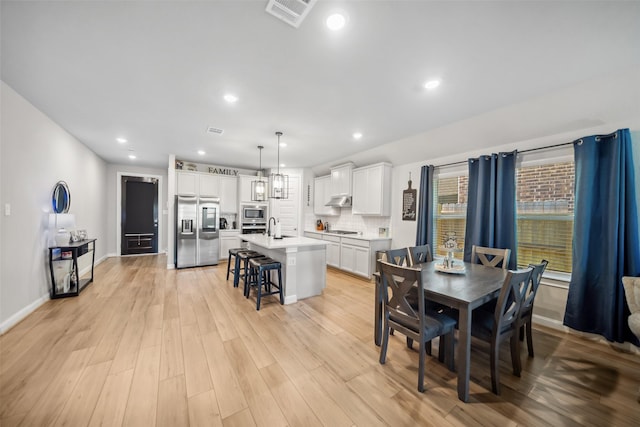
column 145, row 346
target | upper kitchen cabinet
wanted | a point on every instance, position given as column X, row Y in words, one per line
column 321, row 195
column 372, row 190
column 341, row 180
column 244, row 187
column 228, row 194
column 209, row 185
column 187, row 183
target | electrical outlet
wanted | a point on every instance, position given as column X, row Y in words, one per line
column 291, row 260
column 7, row 209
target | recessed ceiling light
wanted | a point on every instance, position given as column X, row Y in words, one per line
column 432, row 84
column 230, row 98
column 121, row 140
column 282, row 165
column 201, row 152
column 336, row 21
column 357, row 135
column 283, row 144
column 132, row 156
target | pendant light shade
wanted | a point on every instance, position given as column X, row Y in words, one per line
column 279, row 183
column 259, row 186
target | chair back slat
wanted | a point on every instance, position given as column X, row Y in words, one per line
column 491, row 257
column 397, row 284
column 419, row 254
column 532, row 287
column 510, row 300
column 397, row 256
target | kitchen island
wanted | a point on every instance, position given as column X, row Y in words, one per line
column 304, row 261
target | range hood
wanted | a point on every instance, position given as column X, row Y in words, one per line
column 340, row 202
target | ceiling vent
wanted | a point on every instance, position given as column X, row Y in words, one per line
column 292, row 12
column 214, row 131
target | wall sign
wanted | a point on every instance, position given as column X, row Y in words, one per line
column 409, row 203
column 212, row 169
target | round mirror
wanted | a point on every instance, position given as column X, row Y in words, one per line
column 61, row 198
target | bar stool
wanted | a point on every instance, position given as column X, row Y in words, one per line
column 232, row 253
column 260, row 275
column 242, row 265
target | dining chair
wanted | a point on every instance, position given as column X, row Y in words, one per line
column 525, row 316
column 501, row 325
column 397, row 256
column 419, row 254
column 401, row 257
column 411, row 321
column 491, row 257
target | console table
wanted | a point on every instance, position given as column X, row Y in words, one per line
column 63, row 265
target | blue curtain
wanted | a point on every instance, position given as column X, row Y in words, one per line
column 606, row 245
column 491, row 205
column 425, row 207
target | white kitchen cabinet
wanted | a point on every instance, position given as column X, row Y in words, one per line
column 341, row 180
column 228, row 239
column 321, row 195
column 209, row 185
column 333, row 250
column 244, row 188
column 228, row 194
column 372, row 190
column 187, row 183
column 354, row 256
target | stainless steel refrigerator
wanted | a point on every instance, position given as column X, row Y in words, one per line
column 197, row 233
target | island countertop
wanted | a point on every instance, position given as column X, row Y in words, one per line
column 303, row 260
column 288, row 242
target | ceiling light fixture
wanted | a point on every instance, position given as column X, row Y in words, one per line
column 357, row 135
column 132, row 156
column 279, row 183
column 259, row 186
column 201, row 152
column 230, row 98
column 432, row 84
column 336, row 21
column 121, row 140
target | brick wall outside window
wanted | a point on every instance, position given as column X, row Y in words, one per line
column 545, row 201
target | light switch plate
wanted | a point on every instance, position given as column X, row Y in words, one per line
column 7, row 209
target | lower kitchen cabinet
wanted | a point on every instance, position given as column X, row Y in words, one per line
column 228, row 239
column 354, row 256
column 357, row 256
column 333, row 250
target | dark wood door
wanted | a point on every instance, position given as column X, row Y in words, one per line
column 139, row 231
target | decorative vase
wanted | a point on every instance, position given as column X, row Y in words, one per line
column 63, row 237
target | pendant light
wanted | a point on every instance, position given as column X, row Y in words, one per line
column 259, row 186
column 279, row 183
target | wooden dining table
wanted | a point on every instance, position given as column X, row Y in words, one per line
column 477, row 285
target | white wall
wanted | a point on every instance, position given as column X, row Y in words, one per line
column 35, row 154
column 114, row 172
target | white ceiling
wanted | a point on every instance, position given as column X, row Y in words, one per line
column 156, row 72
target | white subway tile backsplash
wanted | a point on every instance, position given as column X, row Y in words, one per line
column 368, row 225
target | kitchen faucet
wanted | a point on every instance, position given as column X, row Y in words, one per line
column 269, row 226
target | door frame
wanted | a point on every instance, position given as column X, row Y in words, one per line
column 161, row 209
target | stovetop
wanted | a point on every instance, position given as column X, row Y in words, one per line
column 342, row 232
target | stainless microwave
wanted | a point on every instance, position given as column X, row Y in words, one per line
column 254, row 214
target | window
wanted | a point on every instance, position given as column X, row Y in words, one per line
column 545, row 198
column 450, row 210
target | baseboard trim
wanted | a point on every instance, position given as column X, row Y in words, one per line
column 290, row 299
column 626, row 347
column 20, row 315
